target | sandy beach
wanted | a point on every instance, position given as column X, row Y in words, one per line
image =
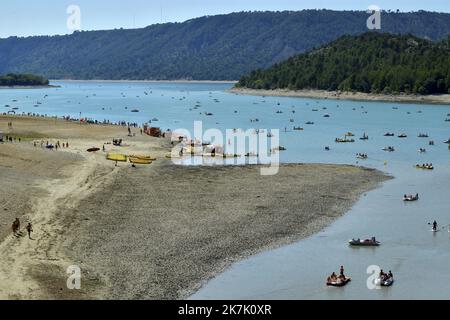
column 151, row 232
column 355, row 96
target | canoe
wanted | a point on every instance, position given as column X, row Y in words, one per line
column 363, row 243
column 339, row 283
column 149, row 158
column 117, row 157
column 139, row 161
column 93, row 149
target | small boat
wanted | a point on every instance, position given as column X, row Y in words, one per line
column 389, row 149
column 423, row 135
column 251, row 154
column 339, row 140
column 339, row 283
column 384, row 282
column 364, row 137
column 298, row 129
column 117, row 157
column 411, row 198
column 389, row 134
column 349, row 134
column 310, row 123
column 94, row 149
column 362, row 156
column 135, row 110
column 448, row 141
column 134, row 160
column 149, row 158
column 327, row 148
column 364, row 243
column 403, row 136
column 327, row 116
column 425, row 167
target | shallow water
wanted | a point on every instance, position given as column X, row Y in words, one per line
column 419, row 259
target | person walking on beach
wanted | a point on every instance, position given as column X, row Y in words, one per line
column 29, row 230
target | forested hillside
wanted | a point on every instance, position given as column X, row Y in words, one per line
column 370, row 63
column 222, row 47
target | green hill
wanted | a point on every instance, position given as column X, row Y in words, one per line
column 370, row 63
column 222, row 47
column 12, row 79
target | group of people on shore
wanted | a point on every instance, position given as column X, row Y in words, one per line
column 12, row 139
column 16, row 228
column 48, row 145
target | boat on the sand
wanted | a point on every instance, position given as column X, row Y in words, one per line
column 117, row 157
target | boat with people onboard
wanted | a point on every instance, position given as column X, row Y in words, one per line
column 340, row 140
column 364, row 243
column 425, row 166
column 339, row 282
column 411, row 198
column 364, row 137
column 384, row 282
column 362, row 156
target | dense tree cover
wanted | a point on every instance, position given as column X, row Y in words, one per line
column 12, row 79
column 371, row 63
column 222, row 47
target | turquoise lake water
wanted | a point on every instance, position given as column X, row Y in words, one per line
column 419, row 259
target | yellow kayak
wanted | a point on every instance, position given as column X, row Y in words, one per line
column 139, row 161
column 148, row 158
column 117, row 157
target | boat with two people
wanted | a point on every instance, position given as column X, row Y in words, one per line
column 385, row 279
column 410, row 198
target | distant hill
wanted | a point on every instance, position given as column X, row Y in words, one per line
column 222, row 47
column 369, row 63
